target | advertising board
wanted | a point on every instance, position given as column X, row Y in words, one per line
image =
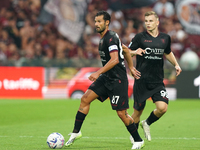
column 21, row 82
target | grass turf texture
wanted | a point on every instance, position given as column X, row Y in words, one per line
column 26, row 124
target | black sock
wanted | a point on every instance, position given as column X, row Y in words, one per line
column 134, row 132
column 151, row 119
column 79, row 121
column 137, row 124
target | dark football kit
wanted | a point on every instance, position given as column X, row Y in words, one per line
column 112, row 84
column 150, row 65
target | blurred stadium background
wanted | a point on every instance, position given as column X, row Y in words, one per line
column 44, row 43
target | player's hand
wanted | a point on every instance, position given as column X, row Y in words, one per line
column 94, row 76
column 139, row 51
column 135, row 73
column 178, row 70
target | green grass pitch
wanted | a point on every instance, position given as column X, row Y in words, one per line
column 26, row 124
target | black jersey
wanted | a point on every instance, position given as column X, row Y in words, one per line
column 151, row 63
column 108, row 44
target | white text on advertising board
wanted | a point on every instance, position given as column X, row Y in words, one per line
column 20, row 84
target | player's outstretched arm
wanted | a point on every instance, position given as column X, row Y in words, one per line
column 139, row 51
column 171, row 58
column 135, row 73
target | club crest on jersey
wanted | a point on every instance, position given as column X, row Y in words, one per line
column 163, row 40
column 110, row 40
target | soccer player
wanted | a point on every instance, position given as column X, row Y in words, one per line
column 109, row 81
column 155, row 44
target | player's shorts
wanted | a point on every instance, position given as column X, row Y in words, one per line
column 116, row 90
column 143, row 91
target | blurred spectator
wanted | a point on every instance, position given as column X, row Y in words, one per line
column 27, row 31
column 21, row 5
column 71, row 50
column 178, row 37
column 13, row 32
column 34, row 6
column 39, row 53
column 140, row 28
column 21, row 17
column 12, row 52
column 164, row 8
column 89, row 51
column 129, row 32
column 3, row 51
column 4, row 37
column 42, row 38
column 3, row 20
column 90, row 27
column 29, row 49
column 51, row 40
column 117, row 21
column 49, row 54
column 60, row 49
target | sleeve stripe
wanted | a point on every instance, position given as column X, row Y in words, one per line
column 129, row 45
column 115, row 50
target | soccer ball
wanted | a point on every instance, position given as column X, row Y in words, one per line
column 55, row 140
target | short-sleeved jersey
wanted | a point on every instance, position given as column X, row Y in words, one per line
column 151, row 63
column 108, row 44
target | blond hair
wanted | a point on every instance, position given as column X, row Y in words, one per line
column 149, row 13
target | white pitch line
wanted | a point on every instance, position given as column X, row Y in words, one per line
column 158, row 138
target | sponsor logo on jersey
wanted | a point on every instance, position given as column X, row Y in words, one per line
column 101, row 42
column 102, row 53
column 154, row 51
column 147, row 40
column 152, row 57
